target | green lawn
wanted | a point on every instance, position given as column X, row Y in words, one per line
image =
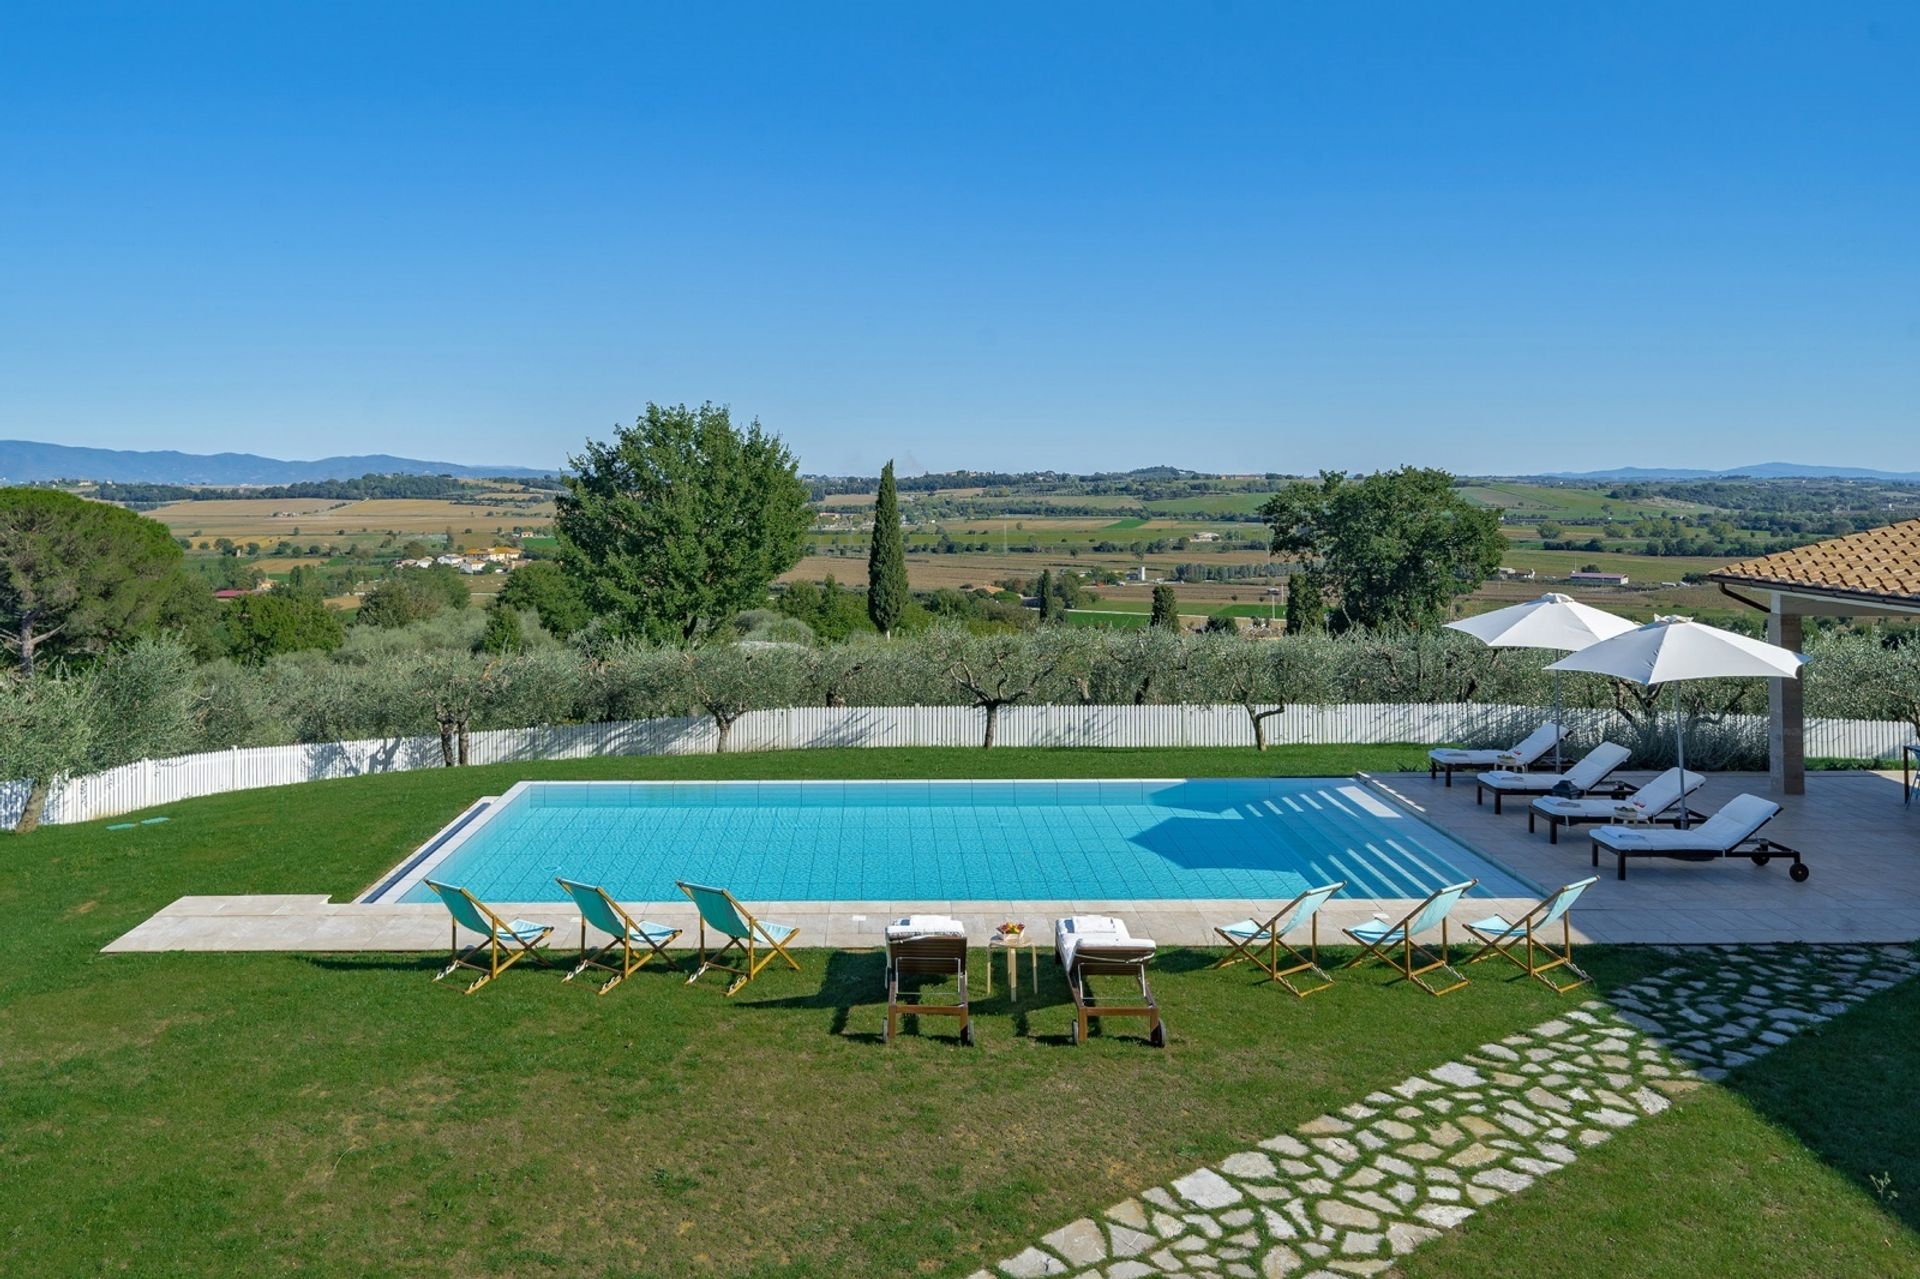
column 341, row 1115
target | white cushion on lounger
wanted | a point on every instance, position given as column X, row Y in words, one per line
column 1536, row 744
column 1656, row 797
column 925, row 926
column 1737, row 819
column 1071, row 933
column 1590, row 772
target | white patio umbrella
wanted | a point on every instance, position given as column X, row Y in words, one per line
column 1668, row 649
column 1553, row 621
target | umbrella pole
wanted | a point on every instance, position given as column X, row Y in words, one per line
column 1680, row 749
column 1558, row 724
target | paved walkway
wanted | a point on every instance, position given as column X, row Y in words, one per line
column 1346, row 1193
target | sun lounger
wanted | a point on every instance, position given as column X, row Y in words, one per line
column 1585, row 777
column 1522, row 756
column 927, row 946
column 1660, row 800
column 638, row 941
column 1413, row 960
column 720, row 912
column 1261, row 943
column 1734, row 831
column 1506, row 939
column 506, row 941
column 1089, row 946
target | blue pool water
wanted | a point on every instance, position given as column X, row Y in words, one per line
column 896, row 841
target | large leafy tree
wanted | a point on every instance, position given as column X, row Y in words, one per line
column 681, row 521
column 78, row 576
column 1392, row 549
column 263, row 626
column 887, row 594
column 545, row 589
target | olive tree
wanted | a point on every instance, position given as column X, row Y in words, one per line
column 1862, row 677
column 1262, row 677
column 1003, row 668
column 49, row 729
column 728, row 680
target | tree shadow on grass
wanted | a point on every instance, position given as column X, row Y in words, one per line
column 375, row 963
column 1844, row 1090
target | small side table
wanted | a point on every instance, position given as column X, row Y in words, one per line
column 1013, row 944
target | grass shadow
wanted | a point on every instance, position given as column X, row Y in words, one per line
column 1844, row 1090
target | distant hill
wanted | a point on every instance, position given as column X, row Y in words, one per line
column 1759, row 471
column 26, row 461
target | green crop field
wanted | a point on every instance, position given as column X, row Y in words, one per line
column 1546, row 502
column 1211, row 504
column 1648, row 568
column 1105, row 617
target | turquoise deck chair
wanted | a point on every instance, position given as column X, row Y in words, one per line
column 1503, row 938
column 721, row 912
column 1249, row 939
column 506, row 942
column 643, row 938
column 1412, row 960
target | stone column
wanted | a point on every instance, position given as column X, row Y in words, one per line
column 1786, row 710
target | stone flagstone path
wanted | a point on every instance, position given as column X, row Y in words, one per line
column 1346, row 1193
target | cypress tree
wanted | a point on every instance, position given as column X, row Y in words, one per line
column 887, row 593
column 1166, row 609
column 1045, row 591
column 1306, row 603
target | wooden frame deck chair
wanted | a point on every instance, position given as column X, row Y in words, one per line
column 638, row 940
column 1734, row 831
column 757, row 940
column 1090, row 946
column 1585, row 777
column 1520, row 757
column 1260, row 944
column 1505, row 939
column 506, row 941
column 1413, row 960
column 1660, row 800
column 926, row 946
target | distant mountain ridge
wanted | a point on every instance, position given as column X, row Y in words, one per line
column 28, row 461
column 1759, row 471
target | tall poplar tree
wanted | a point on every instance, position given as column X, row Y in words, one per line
column 887, row 594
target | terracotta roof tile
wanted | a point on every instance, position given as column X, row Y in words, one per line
column 1881, row 562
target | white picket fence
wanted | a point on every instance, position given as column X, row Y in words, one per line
column 164, row 781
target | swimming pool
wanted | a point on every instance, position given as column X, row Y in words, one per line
column 1259, row 838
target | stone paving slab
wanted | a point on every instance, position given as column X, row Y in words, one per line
column 1862, row 847
column 313, row 923
column 1347, row 1193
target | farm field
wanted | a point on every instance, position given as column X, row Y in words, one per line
column 1650, row 568
column 320, row 519
column 1548, row 502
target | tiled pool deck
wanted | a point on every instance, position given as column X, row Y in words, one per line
column 1861, row 844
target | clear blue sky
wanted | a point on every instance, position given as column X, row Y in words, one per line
column 1229, row 236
